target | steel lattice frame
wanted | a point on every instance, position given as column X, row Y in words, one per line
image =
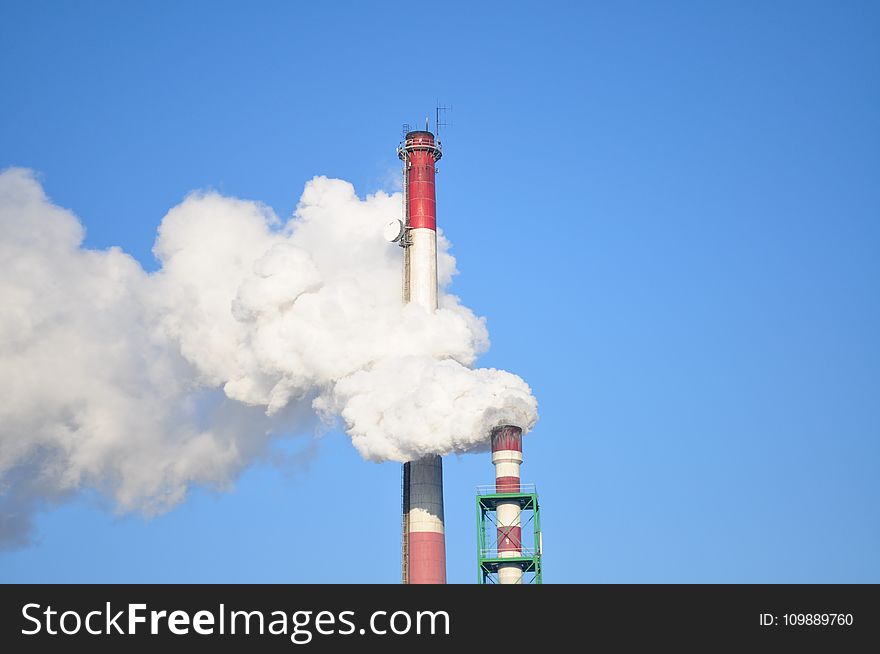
column 488, row 558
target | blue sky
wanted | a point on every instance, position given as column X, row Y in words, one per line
column 668, row 212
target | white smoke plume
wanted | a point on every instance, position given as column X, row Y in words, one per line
column 141, row 384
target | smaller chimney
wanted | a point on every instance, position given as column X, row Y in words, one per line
column 507, row 457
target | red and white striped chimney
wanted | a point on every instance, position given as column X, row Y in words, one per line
column 507, row 457
column 424, row 538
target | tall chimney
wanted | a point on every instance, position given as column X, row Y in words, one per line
column 424, row 539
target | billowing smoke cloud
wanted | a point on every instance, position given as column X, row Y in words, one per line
column 141, row 384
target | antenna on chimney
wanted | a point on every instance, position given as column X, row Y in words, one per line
column 440, row 117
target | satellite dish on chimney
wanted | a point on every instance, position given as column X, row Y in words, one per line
column 393, row 231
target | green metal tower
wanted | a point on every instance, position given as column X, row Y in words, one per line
column 528, row 556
